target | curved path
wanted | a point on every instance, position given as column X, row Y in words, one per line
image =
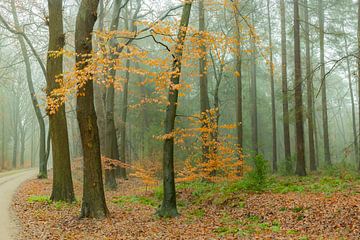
column 9, row 182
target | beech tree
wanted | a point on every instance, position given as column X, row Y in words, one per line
column 93, row 202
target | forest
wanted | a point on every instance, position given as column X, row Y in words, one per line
column 179, row 119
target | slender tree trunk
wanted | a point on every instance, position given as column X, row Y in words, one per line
column 358, row 67
column 15, row 133
column 253, row 98
column 168, row 207
column 32, row 159
column 93, row 202
column 62, row 189
column 300, row 150
column 323, row 85
column 238, row 73
column 272, row 82
column 309, row 86
column 285, row 101
column 35, row 103
column 3, row 155
column 111, row 142
column 124, row 119
column 204, row 97
column 353, row 112
column 22, row 146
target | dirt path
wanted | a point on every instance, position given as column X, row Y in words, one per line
column 9, row 182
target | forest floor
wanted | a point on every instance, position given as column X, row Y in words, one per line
column 9, row 182
column 314, row 207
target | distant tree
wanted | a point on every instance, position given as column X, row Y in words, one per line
column 285, row 101
column 300, row 145
column 323, row 85
column 310, row 90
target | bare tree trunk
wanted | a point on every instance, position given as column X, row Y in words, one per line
column 353, row 112
column 204, row 97
column 300, row 150
column 3, row 155
column 168, row 207
column 253, row 98
column 309, row 86
column 93, row 202
column 285, row 102
column 358, row 68
column 323, row 86
column 239, row 114
column 22, row 146
column 42, row 151
column 273, row 107
column 15, row 133
column 62, row 189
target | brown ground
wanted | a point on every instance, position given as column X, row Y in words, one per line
column 245, row 216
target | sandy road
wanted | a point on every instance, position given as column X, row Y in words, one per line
column 9, row 182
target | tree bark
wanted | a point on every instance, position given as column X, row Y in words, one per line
column 323, row 85
column 204, row 96
column 358, row 67
column 272, row 82
column 93, row 203
column 300, row 150
column 310, row 91
column 238, row 67
column 253, row 98
column 62, row 189
column 168, row 207
column 285, row 101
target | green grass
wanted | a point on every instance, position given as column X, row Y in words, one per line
column 39, row 199
column 123, row 200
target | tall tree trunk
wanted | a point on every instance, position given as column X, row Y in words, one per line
column 204, row 97
column 99, row 88
column 93, row 202
column 168, row 207
column 253, row 98
column 358, row 67
column 273, row 107
column 124, row 119
column 300, row 151
column 309, row 86
column 111, row 142
column 323, row 85
column 238, row 73
column 62, row 189
column 353, row 112
column 285, row 101
column 35, row 103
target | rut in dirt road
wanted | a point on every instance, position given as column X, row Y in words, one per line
column 9, row 182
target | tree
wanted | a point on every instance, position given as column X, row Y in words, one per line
column 93, row 203
column 310, row 91
column 272, row 83
column 323, row 85
column 358, row 63
column 238, row 73
column 168, row 207
column 62, row 189
column 253, row 95
column 111, row 149
column 300, row 151
column 204, row 96
column 285, row 102
column 21, row 38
